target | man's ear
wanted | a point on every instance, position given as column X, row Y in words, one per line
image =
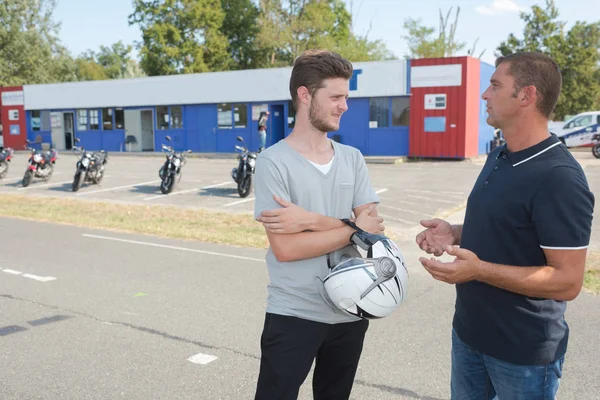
column 528, row 96
column 303, row 94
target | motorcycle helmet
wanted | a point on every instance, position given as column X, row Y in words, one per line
column 368, row 287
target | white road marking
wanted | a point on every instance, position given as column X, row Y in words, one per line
column 12, row 271
column 201, row 358
column 432, row 199
column 452, row 194
column 397, row 219
column 39, row 278
column 238, row 202
column 381, row 191
column 115, row 188
column 43, row 186
column 187, row 191
column 164, row 246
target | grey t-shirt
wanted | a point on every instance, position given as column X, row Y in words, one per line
column 294, row 286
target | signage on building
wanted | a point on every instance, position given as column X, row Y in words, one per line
column 435, row 101
column 12, row 98
column 436, row 76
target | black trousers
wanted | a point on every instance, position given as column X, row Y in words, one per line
column 289, row 346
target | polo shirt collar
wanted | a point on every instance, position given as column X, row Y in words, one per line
column 522, row 156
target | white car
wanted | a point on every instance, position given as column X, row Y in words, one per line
column 578, row 130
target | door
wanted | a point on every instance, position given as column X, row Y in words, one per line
column 206, row 116
column 69, row 131
column 277, row 128
column 147, row 131
column 57, row 133
column 133, row 130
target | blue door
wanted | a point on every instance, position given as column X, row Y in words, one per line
column 277, row 128
column 200, row 124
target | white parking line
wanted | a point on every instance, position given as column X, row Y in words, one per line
column 30, row 276
column 115, row 188
column 188, row 191
column 385, row 217
column 44, row 186
column 238, row 202
column 12, row 271
column 164, row 246
column 381, row 191
column 201, row 358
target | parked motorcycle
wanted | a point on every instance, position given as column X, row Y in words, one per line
column 170, row 172
column 40, row 165
column 242, row 175
column 596, row 145
column 5, row 157
column 90, row 167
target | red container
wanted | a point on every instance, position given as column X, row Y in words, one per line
column 12, row 115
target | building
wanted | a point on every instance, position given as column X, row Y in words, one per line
column 205, row 112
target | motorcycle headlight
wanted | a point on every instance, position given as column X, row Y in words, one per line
column 177, row 162
column 85, row 162
column 252, row 161
column 37, row 158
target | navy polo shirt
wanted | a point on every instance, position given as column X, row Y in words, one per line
column 521, row 203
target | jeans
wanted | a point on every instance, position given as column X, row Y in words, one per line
column 262, row 135
column 479, row 377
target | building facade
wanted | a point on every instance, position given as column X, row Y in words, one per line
column 205, row 112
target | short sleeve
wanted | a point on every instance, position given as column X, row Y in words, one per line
column 268, row 181
column 363, row 191
column 563, row 210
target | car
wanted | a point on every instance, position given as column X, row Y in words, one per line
column 578, row 130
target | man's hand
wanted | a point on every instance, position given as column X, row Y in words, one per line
column 289, row 219
column 464, row 268
column 369, row 222
column 437, row 237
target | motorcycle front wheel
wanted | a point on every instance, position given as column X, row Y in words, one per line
column 245, row 186
column 47, row 177
column 596, row 150
column 167, row 184
column 27, row 177
column 77, row 181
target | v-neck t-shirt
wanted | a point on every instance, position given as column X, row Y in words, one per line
column 294, row 287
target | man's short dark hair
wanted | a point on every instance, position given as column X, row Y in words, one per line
column 539, row 70
column 313, row 67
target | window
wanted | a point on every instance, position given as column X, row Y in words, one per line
column 582, row 121
column 119, row 118
column 82, row 120
column 379, row 109
column 400, row 111
column 162, row 117
column 176, row 122
column 291, row 115
column 224, row 116
column 94, row 120
column 240, row 115
column 36, row 120
column 107, row 122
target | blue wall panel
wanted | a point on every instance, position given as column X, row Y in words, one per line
column 388, row 141
column 354, row 125
column 486, row 132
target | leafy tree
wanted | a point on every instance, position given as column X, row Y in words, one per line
column 241, row 29
column 30, row 51
column 577, row 53
column 181, row 36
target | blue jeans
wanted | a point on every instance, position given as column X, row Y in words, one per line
column 476, row 376
column 262, row 135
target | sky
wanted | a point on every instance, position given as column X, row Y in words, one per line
column 87, row 24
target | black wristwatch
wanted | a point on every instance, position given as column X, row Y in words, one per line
column 352, row 225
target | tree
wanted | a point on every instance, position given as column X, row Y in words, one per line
column 288, row 28
column 577, row 53
column 421, row 44
column 30, row 51
column 241, row 29
column 112, row 62
column 181, row 36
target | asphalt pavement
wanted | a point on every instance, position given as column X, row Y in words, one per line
column 91, row 314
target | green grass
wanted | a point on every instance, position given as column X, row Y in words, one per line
column 591, row 279
column 171, row 222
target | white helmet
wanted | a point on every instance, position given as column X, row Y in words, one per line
column 371, row 287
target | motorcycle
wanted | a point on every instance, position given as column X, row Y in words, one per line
column 90, row 167
column 170, row 172
column 40, row 165
column 242, row 175
column 5, row 157
column 596, row 145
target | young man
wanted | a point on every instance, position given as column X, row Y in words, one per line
column 304, row 185
column 522, row 246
